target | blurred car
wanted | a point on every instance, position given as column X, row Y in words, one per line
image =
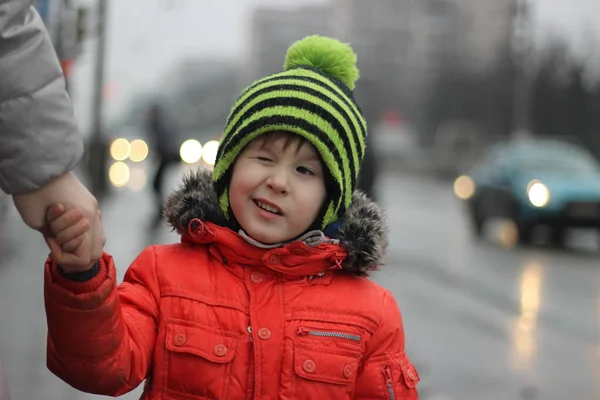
column 533, row 182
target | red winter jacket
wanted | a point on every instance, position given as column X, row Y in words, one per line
column 215, row 317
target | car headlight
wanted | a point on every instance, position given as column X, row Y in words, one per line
column 139, row 150
column 464, row 187
column 119, row 174
column 210, row 152
column 120, row 149
column 190, row 151
column 538, row 193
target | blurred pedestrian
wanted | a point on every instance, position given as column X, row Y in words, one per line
column 4, row 395
column 39, row 140
column 161, row 129
column 266, row 296
column 369, row 172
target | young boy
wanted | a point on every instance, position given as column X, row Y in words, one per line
column 266, row 296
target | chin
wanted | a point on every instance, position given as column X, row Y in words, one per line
column 266, row 238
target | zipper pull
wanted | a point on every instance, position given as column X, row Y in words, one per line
column 389, row 382
column 302, row 331
column 387, row 372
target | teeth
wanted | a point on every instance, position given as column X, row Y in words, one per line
column 267, row 207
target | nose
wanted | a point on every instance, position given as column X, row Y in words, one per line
column 278, row 182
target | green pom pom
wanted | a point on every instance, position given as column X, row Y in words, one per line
column 334, row 58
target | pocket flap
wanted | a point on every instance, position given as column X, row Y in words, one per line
column 326, row 364
column 409, row 372
column 190, row 337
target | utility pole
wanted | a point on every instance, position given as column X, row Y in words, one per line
column 521, row 48
column 98, row 147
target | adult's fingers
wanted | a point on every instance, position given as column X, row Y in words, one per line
column 98, row 238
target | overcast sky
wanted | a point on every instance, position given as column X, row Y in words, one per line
column 576, row 19
column 145, row 37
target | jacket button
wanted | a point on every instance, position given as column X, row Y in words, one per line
column 257, row 277
column 309, row 366
column 179, row 339
column 220, row 350
column 348, row 371
column 274, row 259
column 264, row 333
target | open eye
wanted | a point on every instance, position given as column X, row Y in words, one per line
column 304, row 171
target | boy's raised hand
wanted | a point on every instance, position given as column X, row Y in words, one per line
column 67, row 229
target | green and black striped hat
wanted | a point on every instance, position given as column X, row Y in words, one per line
column 312, row 98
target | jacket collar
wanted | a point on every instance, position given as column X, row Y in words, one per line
column 358, row 246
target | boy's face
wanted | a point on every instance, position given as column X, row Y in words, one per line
column 277, row 187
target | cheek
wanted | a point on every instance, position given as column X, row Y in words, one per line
column 239, row 189
column 235, row 190
column 313, row 199
column 238, row 205
column 241, row 181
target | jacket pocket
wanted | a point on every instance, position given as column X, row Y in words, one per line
column 199, row 359
column 400, row 379
column 410, row 376
column 327, row 333
column 324, row 373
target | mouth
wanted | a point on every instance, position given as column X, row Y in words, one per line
column 267, row 206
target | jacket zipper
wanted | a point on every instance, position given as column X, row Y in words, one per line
column 389, row 382
column 311, row 332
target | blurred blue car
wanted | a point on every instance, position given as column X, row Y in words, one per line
column 533, row 182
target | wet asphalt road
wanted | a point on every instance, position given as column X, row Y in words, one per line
column 482, row 321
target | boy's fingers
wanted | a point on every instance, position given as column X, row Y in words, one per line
column 73, row 232
column 72, row 263
column 54, row 211
column 66, row 259
column 55, row 249
column 69, row 260
column 66, row 220
column 84, row 250
column 72, row 245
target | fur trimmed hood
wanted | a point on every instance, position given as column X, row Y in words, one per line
column 362, row 232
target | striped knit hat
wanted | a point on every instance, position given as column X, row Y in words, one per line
column 312, row 98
